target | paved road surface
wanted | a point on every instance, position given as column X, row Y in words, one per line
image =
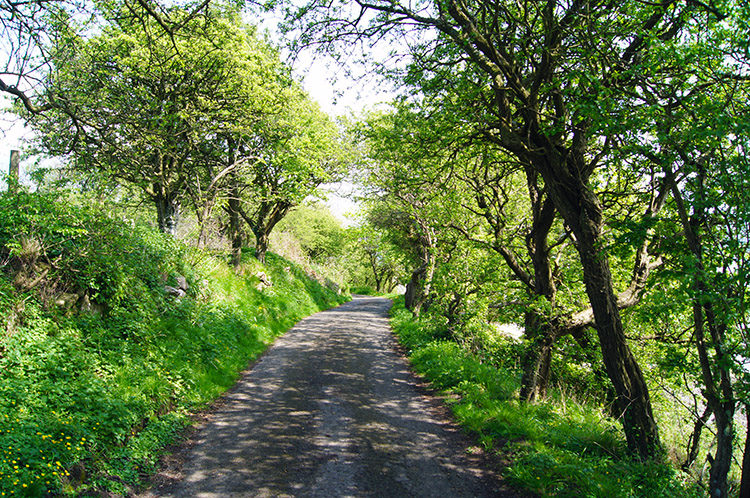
column 330, row 411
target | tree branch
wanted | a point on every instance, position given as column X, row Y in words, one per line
column 25, row 99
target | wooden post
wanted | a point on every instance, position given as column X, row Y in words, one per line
column 14, row 171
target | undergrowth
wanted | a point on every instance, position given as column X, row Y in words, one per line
column 99, row 366
column 558, row 448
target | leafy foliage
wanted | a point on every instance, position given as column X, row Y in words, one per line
column 317, row 230
column 560, row 447
column 600, row 150
column 91, row 393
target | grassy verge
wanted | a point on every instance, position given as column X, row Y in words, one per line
column 99, row 366
column 559, row 448
column 365, row 290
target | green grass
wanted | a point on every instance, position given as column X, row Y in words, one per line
column 88, row 400
column 558, row 448
column 365, row 290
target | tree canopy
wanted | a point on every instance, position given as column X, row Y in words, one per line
column 575, row 167
column 608, row 114
column 206, row 114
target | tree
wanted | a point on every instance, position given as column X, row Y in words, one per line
column 506, row 211
column 410, row 202
column 26, row 29
column 289, row 155
column 129, row 104
column 317, row 230
column 260, row 88
column 381, row 258
column 701, row 151
column 30, row 30
column 558, row 80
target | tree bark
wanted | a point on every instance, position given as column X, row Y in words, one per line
column 581, row 210
column 235, row 232
column 719, row 398
column 633, row 399
column 539, row 329
column 261, row 246
column 14, row 169
column 537, row 358
column 262, row 223
column 715, row 372
column 414, row 297
column 167, row 210
column 722, row 461
column 418, row 288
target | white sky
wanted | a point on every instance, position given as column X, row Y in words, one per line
column 339, row 95
column 336, row 93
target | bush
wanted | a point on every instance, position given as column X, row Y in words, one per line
column 364, row 290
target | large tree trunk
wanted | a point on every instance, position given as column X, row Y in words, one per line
column 261, row 245
column 280, row 209
column 415, row 297
column 722, row 460
column 167, row 210
column 235, row 232
column 540, row 333
column 718, row 392
column 263, row 222
column 633, row 399
column 419, row 286
column 580, row 208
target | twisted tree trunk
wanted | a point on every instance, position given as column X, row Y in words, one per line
column 566, row 179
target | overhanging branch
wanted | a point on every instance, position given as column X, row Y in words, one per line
column 25, row 99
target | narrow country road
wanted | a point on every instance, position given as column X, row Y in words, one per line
column 330, row 411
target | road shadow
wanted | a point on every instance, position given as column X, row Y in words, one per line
column 331, row 410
